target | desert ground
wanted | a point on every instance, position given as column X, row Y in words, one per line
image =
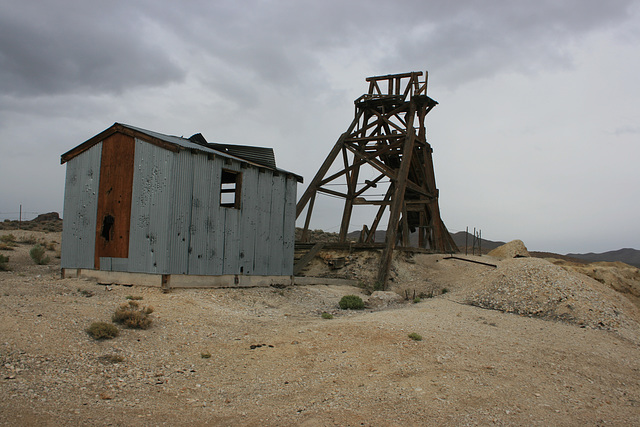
column 528, row 342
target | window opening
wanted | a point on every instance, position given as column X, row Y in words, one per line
column 230, row 189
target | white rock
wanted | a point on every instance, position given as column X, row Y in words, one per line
column 381, row 299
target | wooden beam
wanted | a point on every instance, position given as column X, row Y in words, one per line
column 333, row 193
column 306, row 259
column 388, row 76
column 397, row 201
column 314, row 184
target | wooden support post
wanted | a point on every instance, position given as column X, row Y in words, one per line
column 166, row 283
column 305, row 230
column 405, row 225
column 397, row 200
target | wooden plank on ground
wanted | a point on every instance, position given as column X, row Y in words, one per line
column 305, row 260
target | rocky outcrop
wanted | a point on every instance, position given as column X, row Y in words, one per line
column 513, row 249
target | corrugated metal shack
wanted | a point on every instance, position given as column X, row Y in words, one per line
column 146, row 208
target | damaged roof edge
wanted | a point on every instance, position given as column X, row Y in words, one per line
column 174, row 144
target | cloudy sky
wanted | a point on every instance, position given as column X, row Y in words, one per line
column 536, row 136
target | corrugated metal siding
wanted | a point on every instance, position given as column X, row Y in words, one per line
column 276, row 222
column 263, row 213
column 289, row 232
column 203, row 232
column 248, row 220
column 151, row 209
column 80, row 209
column 182, row 193
column 215, row 222
column 186, row 143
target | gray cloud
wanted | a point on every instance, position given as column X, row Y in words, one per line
column 56, row 48
column 85, row 46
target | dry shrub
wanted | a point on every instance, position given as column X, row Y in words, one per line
column 102, row 331
column 28, row 240
column 133, row 316
column 8, row 238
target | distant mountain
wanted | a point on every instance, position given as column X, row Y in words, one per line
column 462, row 237
column 458, row 238
column 627, row 255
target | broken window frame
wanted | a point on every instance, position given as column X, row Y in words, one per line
column 230, row 188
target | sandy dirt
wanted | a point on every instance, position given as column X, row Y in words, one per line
column 275, row 361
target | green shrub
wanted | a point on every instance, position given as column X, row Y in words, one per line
column 415, row 337
column 326, row 315
column 351, row 302
column 4, row 261
column 205, row 355
column 133, row 316
column 444, row 291
column 37, row 255
column 102, row 331
column 416, row 300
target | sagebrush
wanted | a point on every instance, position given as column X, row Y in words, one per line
column 133, row 316
column 37, row 255
column 102, row 330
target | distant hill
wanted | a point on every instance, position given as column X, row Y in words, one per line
column 462, row 236
column 50, row 222
column 458, row 238
column 627, row 255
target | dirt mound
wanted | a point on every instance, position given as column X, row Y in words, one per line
column 513, row 249
column 535, row 287
column 622, row 277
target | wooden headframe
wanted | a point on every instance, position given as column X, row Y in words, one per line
column 388, row 138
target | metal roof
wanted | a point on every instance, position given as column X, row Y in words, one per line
column 257, row 156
